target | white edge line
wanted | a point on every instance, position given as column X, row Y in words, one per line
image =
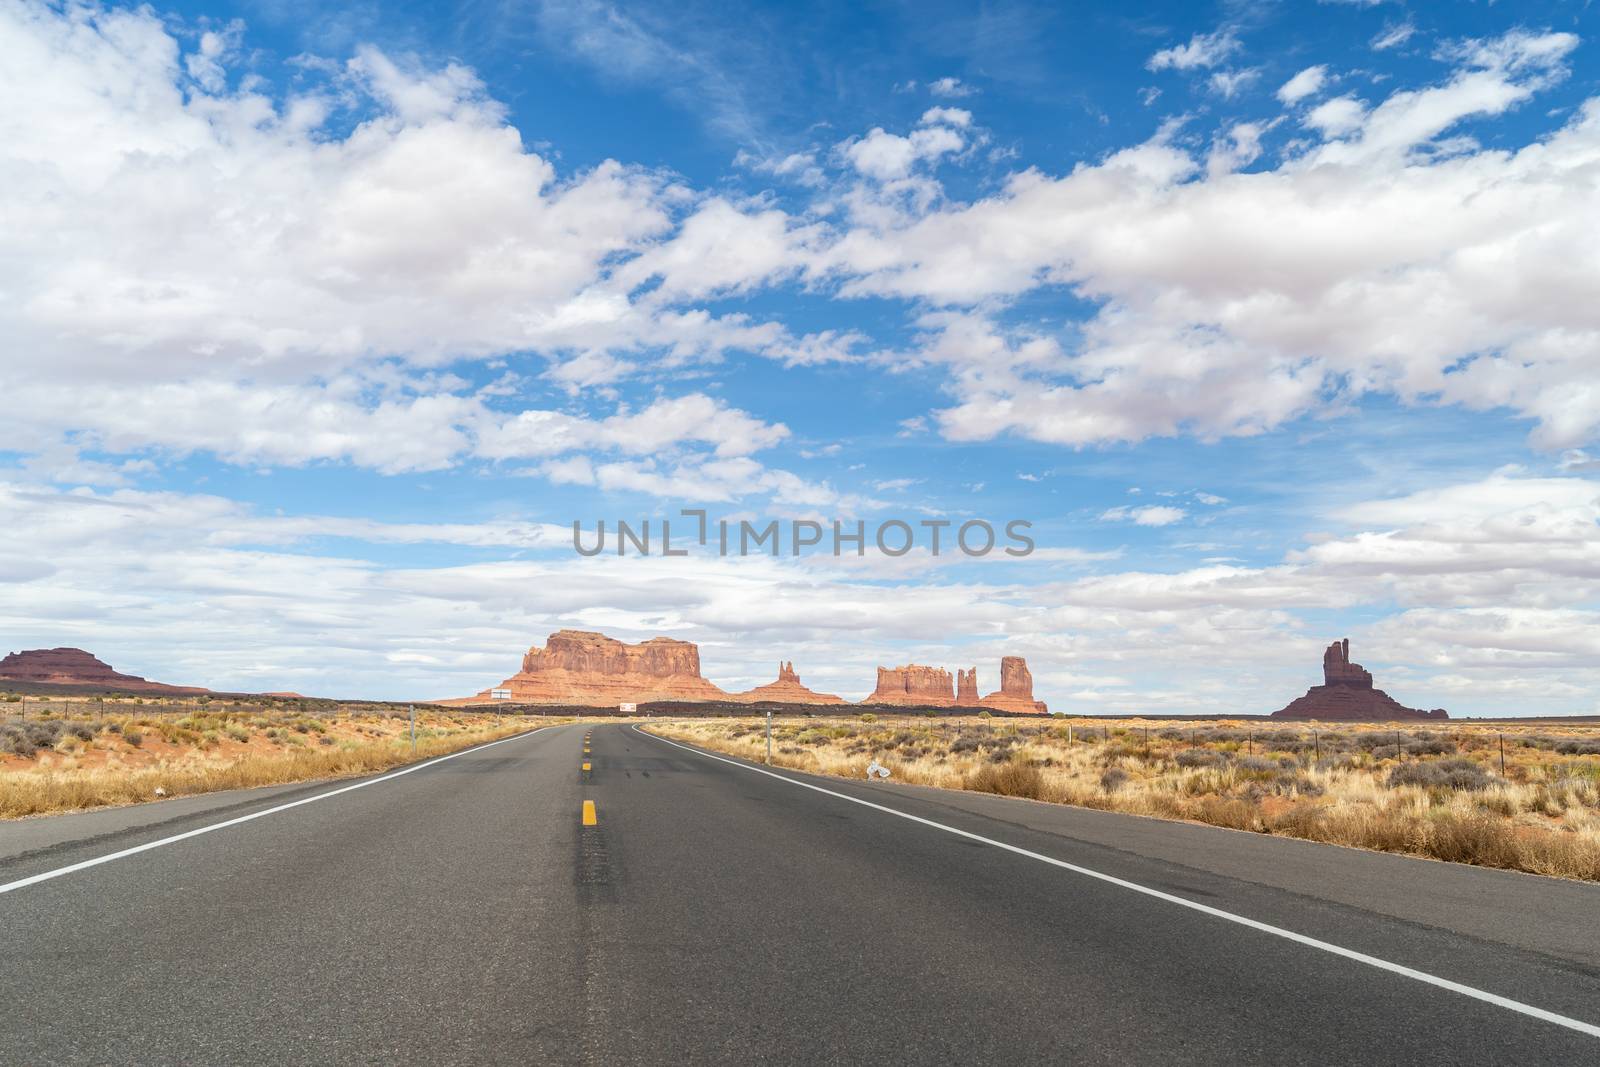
column 35, row 879
column 1278, row 931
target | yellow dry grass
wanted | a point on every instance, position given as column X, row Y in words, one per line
column 99, row 760
column 1441, row 794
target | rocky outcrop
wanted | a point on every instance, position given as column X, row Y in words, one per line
column 1347, row 695
column 74, row 666
column 787, row 690
column 577, row 667
column 591, row 669
column 1016, row 689
column 967, row 688
column 913, row 684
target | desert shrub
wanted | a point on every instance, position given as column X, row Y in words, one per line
column 1259, row 768
column 133, row 737
column 1227, row 811
column 1562, row 855
column 1211, row 735
column 113, row 727
column 81, row 731
column 17, row 742
column 1117, row 750
column 1113, row 778
column 39, row 734
column 301, row 727
column 1200, row 757
column 1458, row 774
column 1015, row 778
column 964, row 744
column 984, row 715
column 1498, row 804
column 1476, row 838
column 1578, row 748
column 1298, row 784
column 326, row 740
column 1379, row 742
column 868, row 717
column 238, row 733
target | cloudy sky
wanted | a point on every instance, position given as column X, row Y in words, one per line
column 1278, row 320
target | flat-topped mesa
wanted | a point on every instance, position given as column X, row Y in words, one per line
column 1347, row 694
column 591, row 669
column 913, row 684
column 787, row 690
column 585, row 652
column 1016, row 689
column 74, row 666
column 967, row 688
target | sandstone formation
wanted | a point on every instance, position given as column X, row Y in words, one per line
column 74, row 666
column 584, row 668
column 1347, row 694
column 787, row 690
column 913, row 684
column 576, row 667
column 967, row 688
column 1016, row 689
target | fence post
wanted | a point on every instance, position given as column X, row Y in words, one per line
column 1316, row 743
column 412, row 709
column 1502, row 755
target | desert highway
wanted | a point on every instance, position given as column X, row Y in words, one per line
column 671, row 906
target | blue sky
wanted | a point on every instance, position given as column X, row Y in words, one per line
column 1274, row 319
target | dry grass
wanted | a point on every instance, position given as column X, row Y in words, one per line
column 1437, row 791
column 95, row 760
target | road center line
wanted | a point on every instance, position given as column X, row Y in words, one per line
column 1267, row 928
column 46, row 876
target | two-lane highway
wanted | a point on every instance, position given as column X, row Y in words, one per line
column 668, row 905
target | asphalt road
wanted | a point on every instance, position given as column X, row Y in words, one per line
column 462, row 913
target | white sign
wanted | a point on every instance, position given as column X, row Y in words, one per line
column 499, row 694
column 628, row 709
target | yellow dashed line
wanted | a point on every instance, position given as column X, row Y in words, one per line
column 586, row 768
column 589, row 816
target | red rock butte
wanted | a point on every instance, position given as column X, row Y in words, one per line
column 787, row 690
column 913, row 684
column 585, row 669
column 1016, row 689
column 74, row 666
column 920, row 686
column 1347, row 695
column 579, row 667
